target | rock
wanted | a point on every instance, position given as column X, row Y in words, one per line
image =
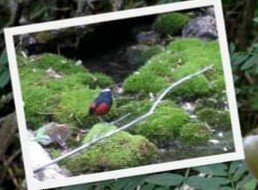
column 203, row 27
column 40, row 157
column 53, row 132
column 119, row 151
column 147, row 38
column 219, row 120
column 139, row 54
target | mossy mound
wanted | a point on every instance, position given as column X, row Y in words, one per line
column 66, row 97
column 164, row 124
column 134, row 107
column 98, row 130
column 216, row 119
column 154, row 75
column 171, row 23
column 121, row 150
column 181, row 58
column 195, row 133
column 73, row 106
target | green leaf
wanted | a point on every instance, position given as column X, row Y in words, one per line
column 232, row 48
column 255, row 19
column 239, row 172
column 129, row 183
column 4, row 77
column 165, row 179
column 162, row 188
column 215, row 170
column 251, row 185
column 246, row 179
column 226, row 188
column 3, row 58
column 234, row 166
column 206, row 183
column 249, row 63
column 148, row 187
column 78, row 187
column 238, row 58
column 134, row 182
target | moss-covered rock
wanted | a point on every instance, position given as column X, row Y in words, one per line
column 73, row 106
column 217, row 102
column 66, row 97
column 154, row 75
column 215, row 118
column 195, row 133
column 181, row 58
column 121, row 150
column 171, row 23
column 135, row 107
column 98, row 130
column 164, row 124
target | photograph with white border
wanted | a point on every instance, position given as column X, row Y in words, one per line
column 122, row 94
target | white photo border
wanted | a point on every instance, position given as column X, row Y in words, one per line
column 86, row 20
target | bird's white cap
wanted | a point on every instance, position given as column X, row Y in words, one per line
column 106, row 90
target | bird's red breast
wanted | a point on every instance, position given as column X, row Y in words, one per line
column 102, row 104
column 102, row 109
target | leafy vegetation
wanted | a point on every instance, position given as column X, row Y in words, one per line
column 233, row 175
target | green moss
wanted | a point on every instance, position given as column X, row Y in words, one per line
column 100, row 80
column 39, row 101
column 153, row 76
column 135, row 107
column 73, row 105
column 171, row 23
column 195, row 133
column 216, row 119
column 55, row 153
column 145, row 82
column 98, row 131
column 181, row 58
column 66, row 98
column 57, row 63
column 164, row 124
column 121, row 150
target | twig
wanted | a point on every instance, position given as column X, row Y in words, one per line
column 120, row 119
column 132, row 123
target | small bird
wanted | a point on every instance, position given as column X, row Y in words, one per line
column 102, row 104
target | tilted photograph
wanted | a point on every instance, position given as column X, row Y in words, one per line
column 123, row 94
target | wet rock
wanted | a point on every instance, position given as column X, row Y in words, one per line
column 139, row 54
column 147, row 37
column 203, row 27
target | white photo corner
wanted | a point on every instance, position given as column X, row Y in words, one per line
column 122, row 94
